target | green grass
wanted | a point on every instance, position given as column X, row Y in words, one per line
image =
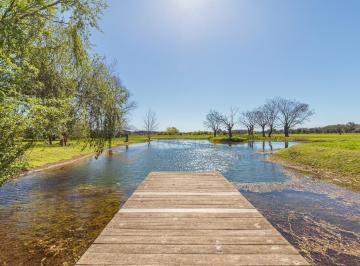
column 332, row 157
column 42, row 154
column 225, row 139
column 182, row 136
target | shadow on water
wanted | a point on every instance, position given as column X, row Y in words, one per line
column 51, row 217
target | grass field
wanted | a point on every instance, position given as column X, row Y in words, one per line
column 42, row 154
column 332, row 157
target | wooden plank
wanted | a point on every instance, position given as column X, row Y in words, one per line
column 191, row 259
column 188, row 240
column 189, row 218
column 191, row 249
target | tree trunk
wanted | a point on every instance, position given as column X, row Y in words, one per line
column 263, row 131
column 230, row 132
column 50, row 139
column 286, row 130
column 64, row 139
column 215, row 133
column 270, row 131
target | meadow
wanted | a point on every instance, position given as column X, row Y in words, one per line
column 335, row 158
column 43, row 154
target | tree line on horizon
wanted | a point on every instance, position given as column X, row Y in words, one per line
column 51, row 85
column 276, row 112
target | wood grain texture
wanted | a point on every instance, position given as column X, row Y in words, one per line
column 189, row 218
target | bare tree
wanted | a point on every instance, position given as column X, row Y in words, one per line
column 260, row 119
column 229, row 121
column 213, row 121
column 150, row 123
column 292, row 113
column 248, row 119
column 271, row 112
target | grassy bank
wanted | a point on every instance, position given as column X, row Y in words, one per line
column 182, row 136
column 43, row 154
column 226, row 140
column 335, row 158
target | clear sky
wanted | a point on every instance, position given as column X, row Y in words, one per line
column 183, row 57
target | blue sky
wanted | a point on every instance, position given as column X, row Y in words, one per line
column 183, row 57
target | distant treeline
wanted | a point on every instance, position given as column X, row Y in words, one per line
column 349, row 127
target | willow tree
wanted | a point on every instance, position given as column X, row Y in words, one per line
column 43, row 44
column 103, row 104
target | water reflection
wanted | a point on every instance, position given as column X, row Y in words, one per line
column 51, row 217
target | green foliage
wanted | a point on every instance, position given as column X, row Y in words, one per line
column 13, row 122
column 172, row 130
column 49, row 84
column 103, row 104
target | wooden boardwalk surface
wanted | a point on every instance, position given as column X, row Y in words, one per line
column 187, row 218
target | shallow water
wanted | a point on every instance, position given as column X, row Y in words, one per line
column 50, row 217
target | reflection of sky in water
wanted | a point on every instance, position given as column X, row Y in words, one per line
column 126, row 168
column 319, row 211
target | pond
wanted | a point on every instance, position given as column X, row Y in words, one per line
column 51, row 217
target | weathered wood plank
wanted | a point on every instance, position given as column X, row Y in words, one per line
column 181, row 218
column 188, row 240
column 191, row 249
column 191, row 259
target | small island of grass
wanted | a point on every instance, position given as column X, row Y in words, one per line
column 227, row 140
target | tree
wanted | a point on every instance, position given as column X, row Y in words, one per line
column 248, row 119
column 150, row 123
column 13, row 123
column 213, row 121
column 228, row 121
column 260, row 119
column 271, row 111
column 292, row 113
column 103, row 104
column 172, row 130
column 42, row 47
column 50, row 118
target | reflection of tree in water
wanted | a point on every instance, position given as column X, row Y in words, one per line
column 270, row 145
column 251, row 144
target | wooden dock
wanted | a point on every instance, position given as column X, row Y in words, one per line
column 187, row 218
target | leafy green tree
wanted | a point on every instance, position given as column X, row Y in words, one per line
column 13, row 123
column 103, row 104
column 172, row 130
column 48, row 81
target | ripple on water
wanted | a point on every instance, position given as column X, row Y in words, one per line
column 51, row 217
